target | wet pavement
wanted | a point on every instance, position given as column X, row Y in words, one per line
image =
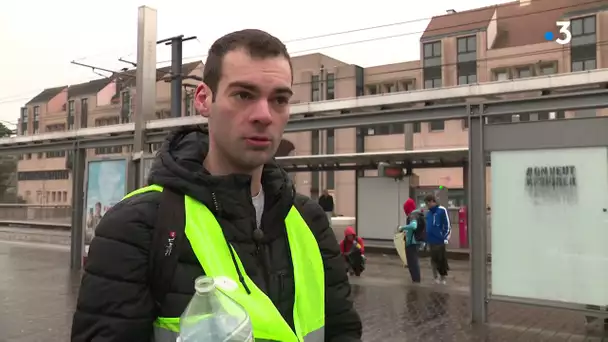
column 38, row 294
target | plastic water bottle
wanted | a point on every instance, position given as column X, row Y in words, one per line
column 211, row 316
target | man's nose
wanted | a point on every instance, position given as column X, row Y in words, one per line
column 261, row 112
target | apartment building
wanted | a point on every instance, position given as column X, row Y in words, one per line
column 495, row 43
column 45, row 178
column 498, row 42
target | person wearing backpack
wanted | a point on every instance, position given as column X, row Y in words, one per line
column 219, row 205
column 415, row 230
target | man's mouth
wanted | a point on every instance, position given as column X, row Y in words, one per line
column 258, row 141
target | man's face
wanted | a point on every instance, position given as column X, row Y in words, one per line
column 251, row 108
column 430, row 204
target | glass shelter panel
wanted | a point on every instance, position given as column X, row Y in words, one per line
column 550, row 225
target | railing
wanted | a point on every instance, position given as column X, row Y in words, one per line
column 35, row 212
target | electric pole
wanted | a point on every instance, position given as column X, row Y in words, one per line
column 176, row 72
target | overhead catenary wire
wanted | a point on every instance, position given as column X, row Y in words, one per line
column 599, row 43
column 368, row 40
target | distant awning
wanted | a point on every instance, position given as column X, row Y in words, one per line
column 370, row 160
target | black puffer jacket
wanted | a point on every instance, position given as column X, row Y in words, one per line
column 115, row 303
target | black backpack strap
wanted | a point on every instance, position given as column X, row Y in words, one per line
column 169, row 234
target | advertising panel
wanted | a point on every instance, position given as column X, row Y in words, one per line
column 550, row 225
column 106, row 185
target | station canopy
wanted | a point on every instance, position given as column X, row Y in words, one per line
column 438, row 158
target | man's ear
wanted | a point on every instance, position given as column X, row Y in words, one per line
column 202, row 99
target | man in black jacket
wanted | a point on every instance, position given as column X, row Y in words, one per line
column 326, row 201
column 245, row 96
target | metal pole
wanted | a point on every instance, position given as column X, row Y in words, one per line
column 176, row 76
column 145, row 96
column 477, row 215
column 78, row 174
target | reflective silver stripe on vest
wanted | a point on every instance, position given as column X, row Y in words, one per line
column 164, row 335
column 315, row 336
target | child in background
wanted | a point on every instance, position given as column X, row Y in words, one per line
column 414, row 222
column 353, row 250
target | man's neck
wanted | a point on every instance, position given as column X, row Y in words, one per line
column 220, row 167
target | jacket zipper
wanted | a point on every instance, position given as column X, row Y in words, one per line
column 262, row 255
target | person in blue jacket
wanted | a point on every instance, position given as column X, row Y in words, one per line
column 437, row 237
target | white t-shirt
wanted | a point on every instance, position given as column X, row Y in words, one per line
column 258, row 204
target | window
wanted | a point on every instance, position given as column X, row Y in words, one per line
column 432, row 65
column 36, row 119
column 84, row 112
column 432, row 50
column 467, row 60
column 71, row 113
column 501, row 75
column 389, row 87
column 465, row 123
column 330, row 93
column 65, row 196
column 42, row 175
column 436, row 125
column 154, row 147
column 524, row 72
column 467, row 73
column 24, row 120
column 408, row 85
column 314, row 175
column 330, row 176
column 416, row 127
column 583, row 51
column 108, row 150
column 55, row 154
column 188, row 103
column 372, row 89
column 548, row 69
column 467, row 45
column 359, row 81
column 389, row 129
column 432, row 78
column 125, row 107
column 107, row 121
column 315, row 86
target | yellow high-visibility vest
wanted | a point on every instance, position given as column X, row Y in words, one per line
column 211, row 249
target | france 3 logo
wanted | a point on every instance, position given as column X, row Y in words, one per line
column 564, row 37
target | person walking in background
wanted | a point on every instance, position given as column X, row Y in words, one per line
column 437, row 238
column 414, row 227
column 326, row 201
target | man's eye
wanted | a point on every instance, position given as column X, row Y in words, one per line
column 282, row 100
column 242, row 95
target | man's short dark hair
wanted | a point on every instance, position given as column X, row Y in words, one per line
column 257, row 43
column 430, row 198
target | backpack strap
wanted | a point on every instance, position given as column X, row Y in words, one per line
column 169, row 235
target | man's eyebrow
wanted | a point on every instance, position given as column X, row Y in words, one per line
column 284, row 91
column 256, row 89
column 244, row 85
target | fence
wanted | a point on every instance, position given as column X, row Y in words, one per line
column 35, row 212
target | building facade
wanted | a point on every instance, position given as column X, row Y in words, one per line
column 496, row 43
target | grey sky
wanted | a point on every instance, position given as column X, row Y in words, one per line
column 39, row 41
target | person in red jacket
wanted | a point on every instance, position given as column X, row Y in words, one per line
column 353, row 250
